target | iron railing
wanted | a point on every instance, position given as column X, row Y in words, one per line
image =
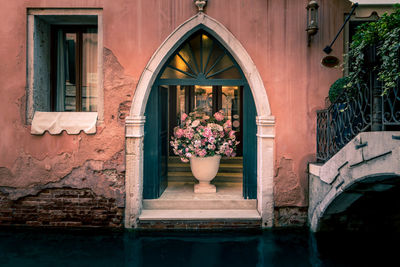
column 357, row 110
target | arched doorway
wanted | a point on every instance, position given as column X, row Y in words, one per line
column 135, row 121
column 200, row 75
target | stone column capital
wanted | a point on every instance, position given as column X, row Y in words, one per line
column 134, row 126
column 265, row 126
column 265, row 120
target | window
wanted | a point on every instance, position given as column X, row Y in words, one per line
column 350, row 30
column 64, row 73
column 74, row 68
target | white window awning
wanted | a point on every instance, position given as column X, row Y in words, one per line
column 71, row 122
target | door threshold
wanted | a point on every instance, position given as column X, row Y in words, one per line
column 199, row 215
column 199, row 219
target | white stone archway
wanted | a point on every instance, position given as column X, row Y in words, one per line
column 135, row 121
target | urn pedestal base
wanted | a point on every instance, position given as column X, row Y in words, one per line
column 204, row 170
column 205, row 188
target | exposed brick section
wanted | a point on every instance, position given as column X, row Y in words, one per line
column 61, row 207
column 199, row 225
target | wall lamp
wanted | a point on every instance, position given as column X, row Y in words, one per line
column 312, row 19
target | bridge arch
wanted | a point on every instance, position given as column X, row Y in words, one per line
column 369, row 163
column 354, row 193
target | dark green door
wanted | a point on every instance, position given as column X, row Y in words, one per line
column 155, row 143
column 249, row 145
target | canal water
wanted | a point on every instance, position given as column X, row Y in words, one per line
column 289, row 247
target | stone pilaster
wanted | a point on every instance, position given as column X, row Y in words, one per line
column 134, row 169
column 265, row 168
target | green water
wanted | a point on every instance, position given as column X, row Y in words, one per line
column 38, row 247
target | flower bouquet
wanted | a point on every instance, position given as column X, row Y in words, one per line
column 200, row 135
column 202, row 140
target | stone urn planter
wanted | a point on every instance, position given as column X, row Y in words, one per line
column 204, row 169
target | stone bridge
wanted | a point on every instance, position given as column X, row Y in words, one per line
column 368, row 165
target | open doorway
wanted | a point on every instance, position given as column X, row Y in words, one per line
column 200, row 74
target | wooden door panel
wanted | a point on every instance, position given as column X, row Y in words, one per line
column 249, row 145
column 155, row 144
column 163, row 138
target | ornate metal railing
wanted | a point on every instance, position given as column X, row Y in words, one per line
column 357, row 110
column 391, row 108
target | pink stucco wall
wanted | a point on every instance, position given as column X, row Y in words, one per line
column 272, row 32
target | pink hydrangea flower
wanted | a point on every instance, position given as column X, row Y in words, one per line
column 197, row 143
column 179, row 133
column 228, row 124
column 218, row 116
column 211, row 146
column 195, row 123
column 183, row 116
column 207, row 132
column 229, row 152
column 202, row 153
column 189, row 133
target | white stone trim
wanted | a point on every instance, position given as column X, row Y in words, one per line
column 265, row 121
column 71, row 122
column 135, row 126
column 375, row 2
column 265, row 167
column 314, row 169
column 30, row 76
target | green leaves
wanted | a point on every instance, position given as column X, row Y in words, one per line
column 338, row 88
column 384, row 33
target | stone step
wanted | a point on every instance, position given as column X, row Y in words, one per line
column 223, row 167
column 199, row 215
column 221, row 177
column 200, row 204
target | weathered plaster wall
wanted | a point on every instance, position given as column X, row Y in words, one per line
column 272, row 32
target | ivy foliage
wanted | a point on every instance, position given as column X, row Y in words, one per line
column 337, row 89
column 385, row 35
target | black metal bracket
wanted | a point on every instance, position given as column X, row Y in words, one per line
column 362, row 145
column 328, row 48
column 396, row 137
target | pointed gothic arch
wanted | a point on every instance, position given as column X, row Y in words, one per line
column 135, row 122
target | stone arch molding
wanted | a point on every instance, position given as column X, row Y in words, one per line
column 226, row 38
column 135, row 121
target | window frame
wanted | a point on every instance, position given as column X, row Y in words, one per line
column 59, row 16
column 347, row 38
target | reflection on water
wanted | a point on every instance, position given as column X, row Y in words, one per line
column 268, row 248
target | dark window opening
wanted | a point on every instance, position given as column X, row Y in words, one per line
column 74, row 65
